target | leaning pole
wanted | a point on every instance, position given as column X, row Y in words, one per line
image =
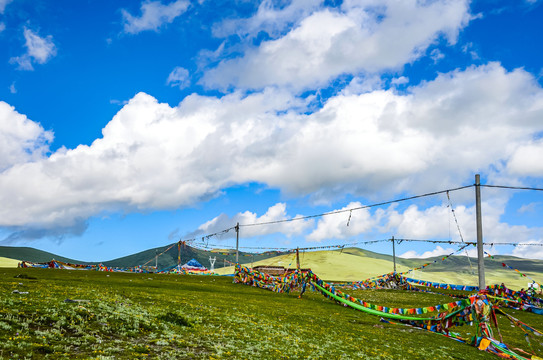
column 480, row 251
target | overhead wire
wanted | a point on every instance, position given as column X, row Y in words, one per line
column 511, row 187
column 206, row 237
column 354, row 208
column 459, row 231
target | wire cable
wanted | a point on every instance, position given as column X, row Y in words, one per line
column 459, row 232
column 511, row 187
column 355, row 208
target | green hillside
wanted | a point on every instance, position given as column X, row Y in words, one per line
column 355, row 264
column 350, row 264
column 147, row 256
column 169, row 258
column 33, row 255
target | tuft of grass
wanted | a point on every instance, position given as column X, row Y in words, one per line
column 175, row 319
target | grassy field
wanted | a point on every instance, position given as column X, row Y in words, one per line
column 356, row 265
column 62, row 314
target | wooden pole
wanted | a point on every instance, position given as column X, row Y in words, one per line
column 298, row 258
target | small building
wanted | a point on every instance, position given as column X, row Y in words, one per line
column 270, row 270
column 276, row 270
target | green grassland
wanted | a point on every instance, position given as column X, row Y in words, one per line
column 86, row 314
column 356, row 264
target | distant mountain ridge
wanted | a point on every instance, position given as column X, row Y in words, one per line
column 454, row 264
column 34, row 255
column 167, row 259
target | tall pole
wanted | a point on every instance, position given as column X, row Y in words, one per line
column 394, row 253
column 480, row 251
column 298, row 258
column 156, row 259
column 237, row 243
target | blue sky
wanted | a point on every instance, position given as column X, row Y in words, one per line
column 129, row 125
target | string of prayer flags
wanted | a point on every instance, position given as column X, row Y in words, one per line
column 436, row 285
column 517, row 271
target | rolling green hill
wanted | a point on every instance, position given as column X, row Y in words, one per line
column 33, row 255
column 355, row 264
column 147, row 256
column 169, row 258
column 350, row 264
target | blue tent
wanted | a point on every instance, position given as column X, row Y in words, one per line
column 193, row 264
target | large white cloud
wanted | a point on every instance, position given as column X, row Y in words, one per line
column 362, row 36
column 151, row 156
column 154, row 156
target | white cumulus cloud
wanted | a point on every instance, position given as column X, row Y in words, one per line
column 38, row 50
column 533, row 251
column 21, row 140
column 438, row 251
column 350, row 224
column 179, row 77
column 3, row 4
column 276, row 212
column 361, row 36
column 154, row 15
column 375, row 144
column 431, row 223
column 526, row 159
column 270, row 18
